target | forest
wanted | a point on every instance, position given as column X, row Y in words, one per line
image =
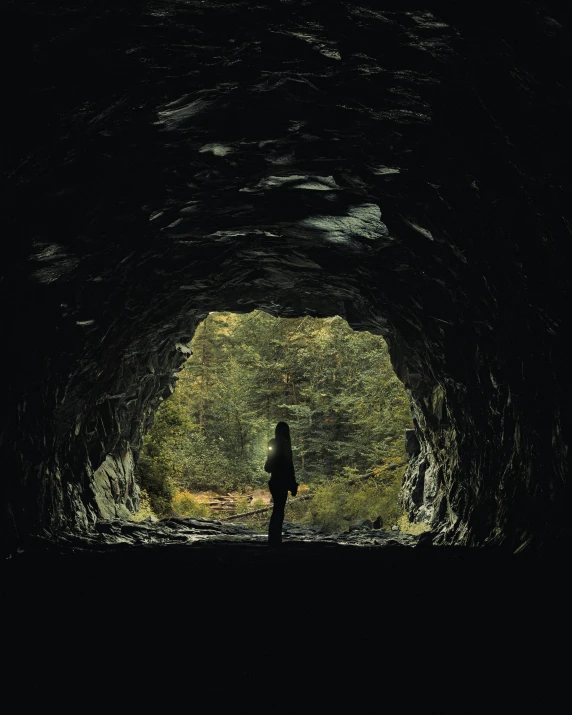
column 334, row 386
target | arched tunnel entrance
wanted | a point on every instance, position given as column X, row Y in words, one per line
column 404, row 169
column 346, row 411
column 467, row 418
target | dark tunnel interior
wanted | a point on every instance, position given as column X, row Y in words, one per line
column 404, row 167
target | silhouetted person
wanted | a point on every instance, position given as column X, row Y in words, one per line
column 282, row 480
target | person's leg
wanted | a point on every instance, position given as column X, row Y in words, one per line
column 272, row 524
column 279, row 497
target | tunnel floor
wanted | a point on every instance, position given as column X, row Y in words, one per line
column 210, row 611
column 180, row 552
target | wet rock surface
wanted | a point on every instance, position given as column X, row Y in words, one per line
column 108, row 535
column 406, row 169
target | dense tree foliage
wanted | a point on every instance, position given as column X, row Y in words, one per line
column 335, row 387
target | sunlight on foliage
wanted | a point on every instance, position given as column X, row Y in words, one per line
column 186, row 504
column 408, row 527
column 242, row 504
column 336, row 503
column 145, row 511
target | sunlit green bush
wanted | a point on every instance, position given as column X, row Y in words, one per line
column 337, row 503
column 242, row 503
column 186, row 504
column 145, row 511
column 410, row 527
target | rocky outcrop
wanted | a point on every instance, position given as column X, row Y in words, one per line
column 116, row 492
column 405, row 169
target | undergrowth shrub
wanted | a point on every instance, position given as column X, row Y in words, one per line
column 335, row 504
column 145, row 511
column 410, row 527
column 257, row 522
column 242, row 503
column 186, row 504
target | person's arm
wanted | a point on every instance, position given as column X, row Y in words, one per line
column 294, row 484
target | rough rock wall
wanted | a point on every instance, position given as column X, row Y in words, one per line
column 406, row 169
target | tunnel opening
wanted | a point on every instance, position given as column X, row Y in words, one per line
column 460, row 461
column 348, row 415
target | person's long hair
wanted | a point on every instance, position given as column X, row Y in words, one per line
column 282, row 433
column 282, row 430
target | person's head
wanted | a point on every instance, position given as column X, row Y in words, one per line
column 282, row 430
